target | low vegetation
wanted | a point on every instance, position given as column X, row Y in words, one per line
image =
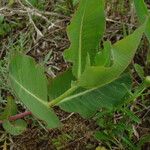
column 75, row 62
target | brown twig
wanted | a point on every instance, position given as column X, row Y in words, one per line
column 18, row 116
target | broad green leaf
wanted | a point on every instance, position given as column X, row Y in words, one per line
column 15, row 127
column 141, row 10
column 104, row 58
column 143, row 13
column 60, row 84
column 87, row 102
column 147, row 30
column 85, row 31
column 10, row 109
column 123, row 52
column 30, row 85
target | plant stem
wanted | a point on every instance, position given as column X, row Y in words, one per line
column 61, row 97
column 18, row 116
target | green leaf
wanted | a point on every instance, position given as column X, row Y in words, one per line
column 87, row 102
column 123, row 52
column 143, row 14
column 141, row 10
column 16, row 127
column 147, row 30
column 60, row 84
column 103, row 58
column 139, row 70
column 30, row 85
column 85, row 31
column 10, row 109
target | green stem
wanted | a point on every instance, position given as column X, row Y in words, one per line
column 61, row 97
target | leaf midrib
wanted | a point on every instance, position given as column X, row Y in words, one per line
column 77, row 95
column 80, row 43
column 27, row 91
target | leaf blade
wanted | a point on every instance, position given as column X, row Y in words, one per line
column 10, row 109
column 123, row 52
column 16, row 127
column 143, row 14
column 141, row 10
column 60, row 84
column 84, row 33
column 30, row 86
column 87, row 101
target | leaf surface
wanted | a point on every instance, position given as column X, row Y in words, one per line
column 15, row 127
column 104, row 57
column 123, row 52
column 85, row 31
column 141, row 10
column 10, row 109
column 140, row 71
column 30, row 85
column 60, row 84
column 87, row 102
column 143, row 13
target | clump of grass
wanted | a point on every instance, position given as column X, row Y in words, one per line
column 4, row 85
